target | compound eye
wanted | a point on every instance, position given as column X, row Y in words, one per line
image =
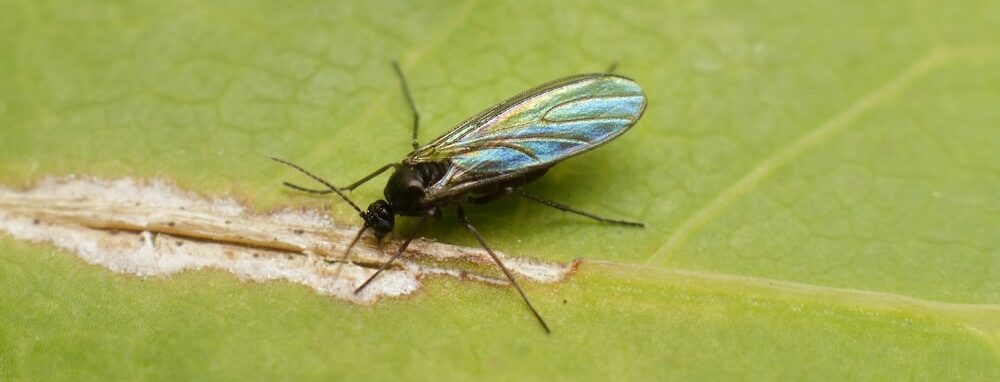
column 380, row 218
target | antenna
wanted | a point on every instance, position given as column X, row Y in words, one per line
column 347, row 252
column 343, row 259
column 318, row 179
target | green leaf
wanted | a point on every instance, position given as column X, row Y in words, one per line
column 819, row 183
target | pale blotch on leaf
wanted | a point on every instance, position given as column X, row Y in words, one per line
column 155, row 229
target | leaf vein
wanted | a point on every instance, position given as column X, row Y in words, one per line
column 379, row 103
column 763, row 169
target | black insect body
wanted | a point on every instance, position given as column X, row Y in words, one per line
column 494, row 153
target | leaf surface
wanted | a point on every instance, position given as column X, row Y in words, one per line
column 819, row 183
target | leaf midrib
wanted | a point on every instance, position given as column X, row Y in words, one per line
column 759, row 172
column 981, row 320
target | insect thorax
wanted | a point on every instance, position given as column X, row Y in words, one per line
column 406, row 188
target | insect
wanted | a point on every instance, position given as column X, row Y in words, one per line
column 493, row 154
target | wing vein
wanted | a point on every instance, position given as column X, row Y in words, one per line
column 534, row 129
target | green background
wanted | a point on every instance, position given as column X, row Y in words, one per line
column 798, row 158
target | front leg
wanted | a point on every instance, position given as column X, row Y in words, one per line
column 402, row 248
column 409, row 100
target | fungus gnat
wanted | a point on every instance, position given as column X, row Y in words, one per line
column 496, row 152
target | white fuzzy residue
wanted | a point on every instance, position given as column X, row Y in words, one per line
column 151, row 228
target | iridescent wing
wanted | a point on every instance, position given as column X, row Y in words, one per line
column 533, row 130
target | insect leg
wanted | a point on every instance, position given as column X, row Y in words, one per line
column 566, row 208
column 483, row 199
column 409, row 99
column 347, row 252
column 402, row 248
column 611, row 68
column 472, row 230
column 348, row 188
column 318, row 179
